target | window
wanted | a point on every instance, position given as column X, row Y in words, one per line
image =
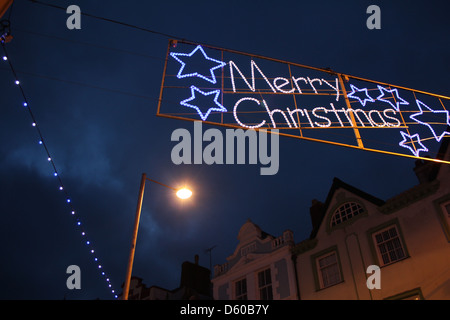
column 240, row 289
column 447, row 209
column 345, row 212
column 328, row 270
column 442, row 206
column 389, row 245
column 265, row 285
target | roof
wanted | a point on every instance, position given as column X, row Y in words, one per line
column 429, row 168
column 318, row 209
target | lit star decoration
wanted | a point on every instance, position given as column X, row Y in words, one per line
column 398, row 100
column 362, row 101
column 73, row 213
column 446, row 122
column 406, row 138
column 211, row 78
column 205, row 115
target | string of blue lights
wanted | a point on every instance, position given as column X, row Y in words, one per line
column 79, row 226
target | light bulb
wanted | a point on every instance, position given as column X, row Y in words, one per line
column 184, row 193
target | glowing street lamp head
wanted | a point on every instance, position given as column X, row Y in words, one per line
column 184, row 193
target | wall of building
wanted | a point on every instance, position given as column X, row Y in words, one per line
column 423, row 224
column 256, row 252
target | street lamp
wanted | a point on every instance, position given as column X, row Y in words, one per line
column 182, row 193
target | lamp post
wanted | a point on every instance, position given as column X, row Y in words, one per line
column 182, row 193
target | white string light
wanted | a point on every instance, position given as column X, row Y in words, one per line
column 362, row 101
column 382, row 110
column 368, row 114
column 271, row 112
column 55, row 172
column 311, row 83
column 215, row 93
column 277, row 86
column 333, row 87
column 321, row 117
column 285, row 82
column 237, row 118
column 219, row 64
column 446, row 114
column 398, row 101
column 252, row 86
column 404, row 143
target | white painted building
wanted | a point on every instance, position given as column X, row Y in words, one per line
column 407, row 236
column 261, row 268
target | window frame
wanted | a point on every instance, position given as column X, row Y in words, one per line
column 241, row 295
column 360, row 210
column 443, row 214
column 266, row 287
column 386, row 243
column 374, row 246
column 342, row 200
column 317, row 270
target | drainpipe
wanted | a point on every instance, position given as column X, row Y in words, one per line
column 297, row 285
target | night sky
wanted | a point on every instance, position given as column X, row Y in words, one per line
column 94, row 94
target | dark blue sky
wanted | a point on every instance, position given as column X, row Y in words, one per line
column 94, row 94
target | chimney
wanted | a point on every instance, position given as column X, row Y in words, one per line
column 424, row 170
column 195, row 277
column 316, row 213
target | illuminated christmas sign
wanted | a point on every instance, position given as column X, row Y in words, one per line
column 239, row 90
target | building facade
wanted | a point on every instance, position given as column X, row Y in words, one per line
column 360, row 247
column 261, row 268
column 406, row 237
column 195, row 284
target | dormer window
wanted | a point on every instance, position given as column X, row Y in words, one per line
column 345, row 212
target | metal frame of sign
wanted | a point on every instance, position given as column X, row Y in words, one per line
column 345, row 87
